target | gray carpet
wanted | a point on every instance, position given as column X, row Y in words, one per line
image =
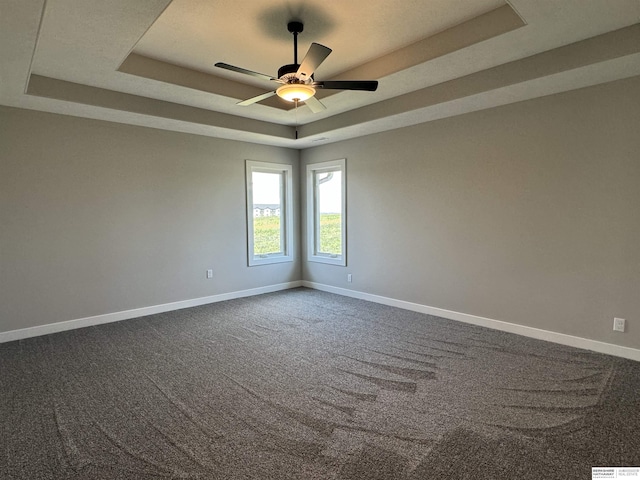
column 303, row 384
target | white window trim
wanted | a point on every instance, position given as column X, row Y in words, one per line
column 312, row 255
column 286, row 212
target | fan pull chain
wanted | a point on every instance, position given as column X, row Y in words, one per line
column 295, row 100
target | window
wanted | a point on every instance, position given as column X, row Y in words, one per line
column 326, row 212
column 269, row 213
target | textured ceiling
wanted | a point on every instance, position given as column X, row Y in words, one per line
column 197, row 33
column 150, row 62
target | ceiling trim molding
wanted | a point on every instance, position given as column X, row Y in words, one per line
column 47, row 87
column 78, row 67
column 566, row 68
column 606, row 47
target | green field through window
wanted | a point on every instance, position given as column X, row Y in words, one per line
column 331, row 233
column 267, row 234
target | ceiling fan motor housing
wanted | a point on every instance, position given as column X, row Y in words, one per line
column 288, row 72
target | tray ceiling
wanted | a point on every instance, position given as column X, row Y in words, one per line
column 150, row 62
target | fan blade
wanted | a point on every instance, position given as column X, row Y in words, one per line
column 259, row 98
column 368, row 85
column 315, row 105
column 312, row 60
column 226, row 66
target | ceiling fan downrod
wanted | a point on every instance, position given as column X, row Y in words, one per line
column 295, row 28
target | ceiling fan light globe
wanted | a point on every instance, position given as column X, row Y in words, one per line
column 295, row 91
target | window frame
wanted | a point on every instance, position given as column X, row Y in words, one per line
column 286, row 212
column 312, row 213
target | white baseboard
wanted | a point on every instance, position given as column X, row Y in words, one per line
column 561, row 338
column 138, row 312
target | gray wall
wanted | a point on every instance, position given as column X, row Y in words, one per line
column 528, row 213
column 99, row 217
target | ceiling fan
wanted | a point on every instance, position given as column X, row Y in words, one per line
column 298, row 84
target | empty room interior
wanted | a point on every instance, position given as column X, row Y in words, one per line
column 319, row 240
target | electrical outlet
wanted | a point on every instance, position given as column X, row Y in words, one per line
column 619, row 324
column 349, row 278
column 209, row 273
